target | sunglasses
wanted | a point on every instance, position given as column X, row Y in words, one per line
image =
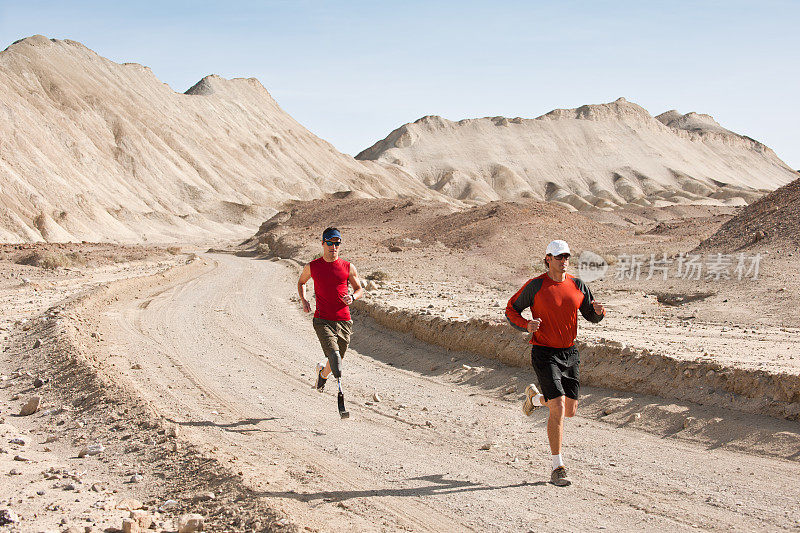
column 333, row 243
column 562, row 257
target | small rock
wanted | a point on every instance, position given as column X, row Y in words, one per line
column 634, row 417
column 31, row 406
column 487, row 445
column 204, row 496
column 376, row 398
column 18, row 441
column 395, row 249
column 130, row 526
column 172, row 431
column 688, row 421
column 136, row 478
column 92, row 449
column 129, row 504
column 37, row 343
column 21, row 459
column 189, row 523
column 167, row 505
column 143, row 518
column 7, row 516
column 96, row 487
column 136, row 366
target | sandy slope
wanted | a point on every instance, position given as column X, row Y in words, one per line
column 228, row 357
column 595, row 156
column 95, row 150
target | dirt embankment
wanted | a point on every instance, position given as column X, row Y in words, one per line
column 611, row 364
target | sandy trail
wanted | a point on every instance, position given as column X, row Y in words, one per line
column 229, row 357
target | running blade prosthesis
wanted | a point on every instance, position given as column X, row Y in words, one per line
column 340, row 401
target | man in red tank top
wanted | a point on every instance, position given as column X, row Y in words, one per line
column 332, row 321
column 554, row 299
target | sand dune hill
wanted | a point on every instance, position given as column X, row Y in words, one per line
column 95, row 150
column 769, row 223
column 595, row 156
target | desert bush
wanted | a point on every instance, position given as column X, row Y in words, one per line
column 77, row 258
column 262, row 248
column 610, row 259
column 45, row 259
column 378, row 275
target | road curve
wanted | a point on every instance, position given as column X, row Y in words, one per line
column 229, row 357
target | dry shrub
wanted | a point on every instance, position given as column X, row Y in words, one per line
column 378, row 275
column 174, row 250
column 45, row 259
column 77, row 258
column 610, row 259
column 263, row 248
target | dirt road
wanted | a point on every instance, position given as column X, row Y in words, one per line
column 229, row 357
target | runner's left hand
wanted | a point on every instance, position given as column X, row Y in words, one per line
column 347, row 299
column 598, row 307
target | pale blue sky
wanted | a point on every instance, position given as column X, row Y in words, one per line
column 352, row 71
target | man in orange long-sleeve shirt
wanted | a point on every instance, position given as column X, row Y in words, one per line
column 554, row 299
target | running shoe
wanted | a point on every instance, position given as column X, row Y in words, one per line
column 559, row 477
column 527, row 406
column 320, row 386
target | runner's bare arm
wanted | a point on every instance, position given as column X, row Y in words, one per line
column 358, row 290
column 301, row 287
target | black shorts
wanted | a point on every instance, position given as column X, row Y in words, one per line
column 557, row 371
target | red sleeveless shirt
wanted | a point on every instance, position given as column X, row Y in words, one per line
column 330, row 285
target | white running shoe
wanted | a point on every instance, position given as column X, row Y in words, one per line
column 527, row 406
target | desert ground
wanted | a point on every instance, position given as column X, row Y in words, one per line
column 156, row 369
column 192, row 368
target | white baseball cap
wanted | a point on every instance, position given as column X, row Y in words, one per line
column 557, row 248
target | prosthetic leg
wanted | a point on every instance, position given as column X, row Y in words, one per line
column 336, row 369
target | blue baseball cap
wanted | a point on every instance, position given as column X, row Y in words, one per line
column 331, row 233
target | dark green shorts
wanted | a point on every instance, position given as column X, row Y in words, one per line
column 333, row 334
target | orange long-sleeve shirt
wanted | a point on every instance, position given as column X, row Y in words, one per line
column 557, row 305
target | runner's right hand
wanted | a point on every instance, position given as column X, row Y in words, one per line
column 306, row 306
column 533, row 325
